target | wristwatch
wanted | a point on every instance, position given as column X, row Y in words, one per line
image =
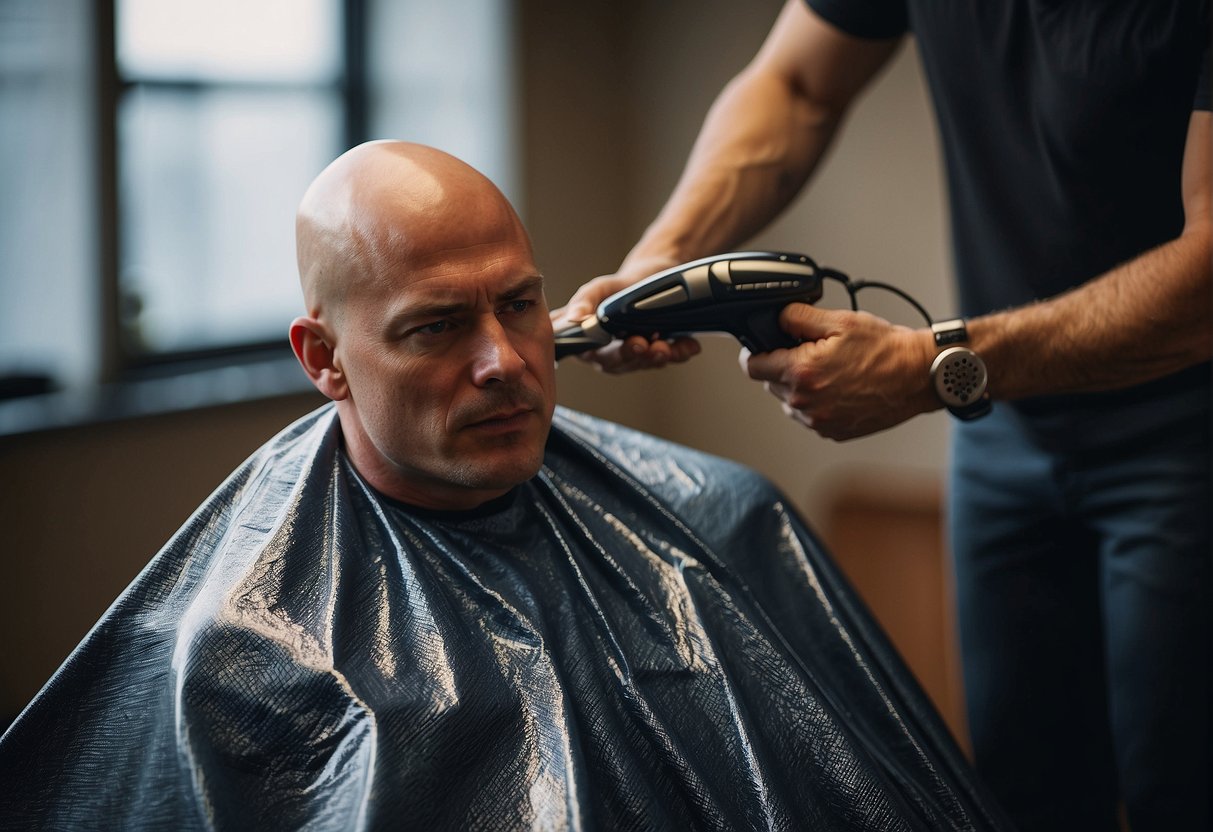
column 958, row 374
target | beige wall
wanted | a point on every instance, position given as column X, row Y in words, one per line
column 613, row 94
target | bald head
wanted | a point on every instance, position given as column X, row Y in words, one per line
column 426, row 324
column 386, row 205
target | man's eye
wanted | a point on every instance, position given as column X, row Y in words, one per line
column 519, row 306
column 436, row 328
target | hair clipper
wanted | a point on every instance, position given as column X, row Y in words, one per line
column 739, row 293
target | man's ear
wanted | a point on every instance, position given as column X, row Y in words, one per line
column 313, row 346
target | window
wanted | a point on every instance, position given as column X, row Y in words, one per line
column 226, row 108
column 154, row 152
column 49, row 284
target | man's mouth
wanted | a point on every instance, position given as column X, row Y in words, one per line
column 503, row 420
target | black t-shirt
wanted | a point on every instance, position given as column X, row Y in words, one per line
column 1063, row 125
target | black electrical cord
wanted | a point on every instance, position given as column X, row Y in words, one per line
column 853, row 287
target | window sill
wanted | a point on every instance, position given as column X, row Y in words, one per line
column 261, row 378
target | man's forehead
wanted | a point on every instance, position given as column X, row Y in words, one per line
column 460, row 282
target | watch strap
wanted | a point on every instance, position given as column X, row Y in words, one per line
column 950, row 332
column 948, row 336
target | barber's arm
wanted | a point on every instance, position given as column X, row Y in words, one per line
column 762, row 138
column 1146, row 319
column 857, row 374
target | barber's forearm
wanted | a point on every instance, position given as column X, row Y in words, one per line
column 758, row 145
column 1144, row 320
column 764, row 136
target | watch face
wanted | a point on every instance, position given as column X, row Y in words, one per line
column 959, row 375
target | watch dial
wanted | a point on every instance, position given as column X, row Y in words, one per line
column 962, row 377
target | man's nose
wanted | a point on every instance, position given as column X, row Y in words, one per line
column 496, row 358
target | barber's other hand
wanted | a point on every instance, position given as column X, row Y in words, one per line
column 854, row 375
column 635, row 352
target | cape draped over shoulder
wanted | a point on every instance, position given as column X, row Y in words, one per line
column 642, row 636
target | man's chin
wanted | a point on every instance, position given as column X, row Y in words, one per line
column 498, row 462
column 510, row 473
column 502, row 468
column 524, row 447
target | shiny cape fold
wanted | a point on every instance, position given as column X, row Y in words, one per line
column 640, row 637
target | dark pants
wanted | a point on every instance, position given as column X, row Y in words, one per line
column 1084, row 591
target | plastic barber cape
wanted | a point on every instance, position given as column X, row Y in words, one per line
column 640, row 637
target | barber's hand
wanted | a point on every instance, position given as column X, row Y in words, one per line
column 855, row 374
column 635, row 352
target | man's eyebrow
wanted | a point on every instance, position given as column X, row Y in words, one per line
column 531, row 283
column 438, row 308
column 409, row 313
column 422, row 309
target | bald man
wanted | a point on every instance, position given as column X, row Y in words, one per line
column 440, row 603
column 426, row 324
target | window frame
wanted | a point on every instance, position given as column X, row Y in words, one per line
column 119, row 361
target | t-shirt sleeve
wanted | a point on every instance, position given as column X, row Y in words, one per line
column 1204, row 97
column 864, row 18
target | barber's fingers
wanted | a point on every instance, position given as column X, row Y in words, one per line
column 767, row 367
column 776, row 367
column 808, row 324
column 639, row 353
column 586, row 299
column 787, row 375
column 635, row 352
column 795, row 375
column 797, row 415
column 811, row 323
